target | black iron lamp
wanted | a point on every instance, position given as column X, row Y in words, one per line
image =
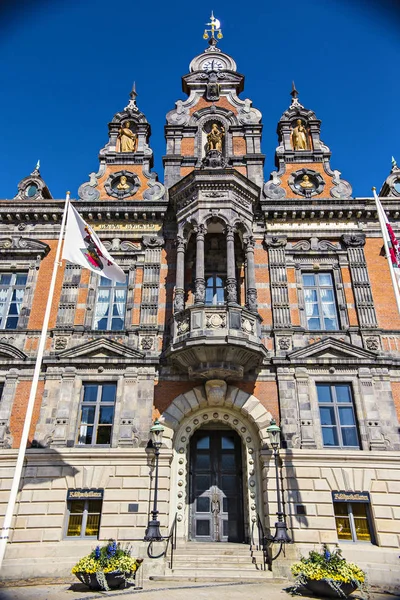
column 153, row 533
column 281, row 535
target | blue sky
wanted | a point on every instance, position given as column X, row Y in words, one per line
column 67, row 67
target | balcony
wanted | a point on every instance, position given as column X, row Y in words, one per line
column 216, row 342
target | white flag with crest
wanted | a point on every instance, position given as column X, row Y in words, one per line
column 83, row 247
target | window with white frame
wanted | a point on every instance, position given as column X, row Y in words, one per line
column 97, row 414
column 337, row 415
column 109, row 313
column 353, row 519
column 320, row 301
column 83, row 519
column 12, row 289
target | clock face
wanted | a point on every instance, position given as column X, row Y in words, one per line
column 213, row 65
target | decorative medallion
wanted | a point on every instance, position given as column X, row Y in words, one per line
column 122, row 184
column 306, row 183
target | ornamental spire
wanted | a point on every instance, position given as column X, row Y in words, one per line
column 295, row 95
column 209, row 34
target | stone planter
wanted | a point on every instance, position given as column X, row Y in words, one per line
column 114, row 580
column 322, row 588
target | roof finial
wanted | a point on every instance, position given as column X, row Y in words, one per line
column 215, row 27
column 132, row 102
column 394, row 163
column 295, row 95
column 36, row 170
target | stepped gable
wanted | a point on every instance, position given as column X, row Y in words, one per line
column 125, row 161
column 303, row 160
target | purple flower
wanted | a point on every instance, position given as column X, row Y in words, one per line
column 97, row 552
column 327, row 555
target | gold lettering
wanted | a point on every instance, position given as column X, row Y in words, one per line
column 140, row 227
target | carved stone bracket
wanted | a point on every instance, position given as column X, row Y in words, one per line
column 213, row 160
column 275, row 241
column 354, row 239
column 153, row 241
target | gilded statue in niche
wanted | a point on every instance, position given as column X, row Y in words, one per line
column 215, row 137
column 127, row 139
column 299, row 136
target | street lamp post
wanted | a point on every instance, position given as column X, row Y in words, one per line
column 153, row 533
column 281, row 535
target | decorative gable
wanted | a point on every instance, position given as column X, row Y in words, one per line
column 8, row 352
column 101, row 348
column 331, row 350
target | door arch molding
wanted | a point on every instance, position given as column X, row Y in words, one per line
column 218, row 403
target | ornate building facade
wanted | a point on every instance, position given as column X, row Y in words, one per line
column 245, row 300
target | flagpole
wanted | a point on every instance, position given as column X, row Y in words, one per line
column 4, row 536
column 384, row 231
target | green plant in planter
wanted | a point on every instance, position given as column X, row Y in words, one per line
column 105, row 560
column 341, row 576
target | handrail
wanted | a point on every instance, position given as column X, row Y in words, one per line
column 172, row 537
column 263, row 543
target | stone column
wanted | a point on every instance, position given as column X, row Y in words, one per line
column 231, row 284
column 251, row 291
column 179, row 300
column 200, row 283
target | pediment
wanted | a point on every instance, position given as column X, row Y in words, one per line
column 101, row 348
column 332, row 349
column 8, row 352
column 21, row 245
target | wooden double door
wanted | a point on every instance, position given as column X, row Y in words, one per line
column 216, row 486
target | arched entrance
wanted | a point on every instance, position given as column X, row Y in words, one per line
column 216, row 486
column 215, row 407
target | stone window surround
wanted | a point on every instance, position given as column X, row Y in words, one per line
column 325, row 265
column 97, row 404
column 113, row 288
column 359, row 410
column 68, row 417
column 336, row 405
column 93, row 291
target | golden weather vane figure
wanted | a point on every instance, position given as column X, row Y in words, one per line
column 215, row 25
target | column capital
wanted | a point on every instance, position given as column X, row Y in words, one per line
column 181, row 243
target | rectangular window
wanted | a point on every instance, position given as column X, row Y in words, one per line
column 12, row 289
column 320, row 301
column 336, row 410
column 215, row 290
column 97, row 414
column 353, row 521
column 110, row 306
column 84, row 518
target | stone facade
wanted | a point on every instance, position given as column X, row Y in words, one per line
column 214, row 332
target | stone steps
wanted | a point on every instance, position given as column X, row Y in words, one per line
column 216, row 562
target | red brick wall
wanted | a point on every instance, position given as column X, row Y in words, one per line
column 382, row 290
column 19, row 409
column 396, row 397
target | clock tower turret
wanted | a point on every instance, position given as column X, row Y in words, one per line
column 213, row 127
